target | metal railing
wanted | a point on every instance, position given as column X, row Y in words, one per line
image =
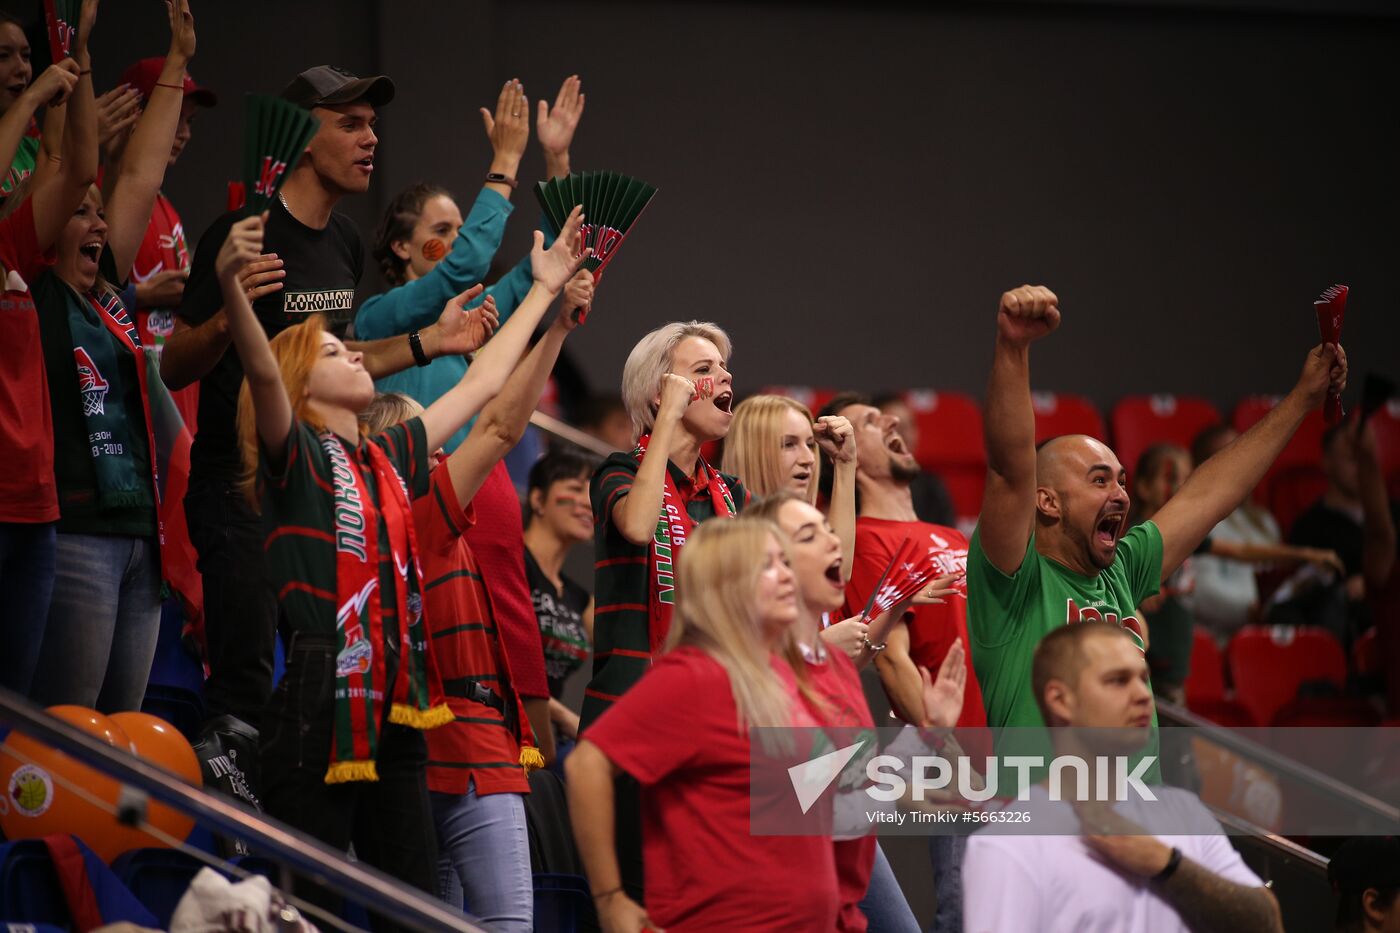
column 295, row 851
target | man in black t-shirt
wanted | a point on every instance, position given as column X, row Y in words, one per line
column 318, row 263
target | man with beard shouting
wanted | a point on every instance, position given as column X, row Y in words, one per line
column 1050, row 547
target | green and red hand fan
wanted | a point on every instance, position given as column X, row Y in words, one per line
column 275, row 135
column 1331, row 308
column 61, row 17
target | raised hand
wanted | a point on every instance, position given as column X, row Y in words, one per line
column 117, row 112
column 509, row 129
column 182, row 39
column 1324, row 371
column 242, row 246
column 676, row 395
column 87, row 18
column 943, row 697
column 555, row 127
column 553, row 267
column 937, row 591
column 847, row 636
column 836, row 437
column 578, row 299
column 262, row 276
column 461, row 331
column 53, row 86
column 1026, row 314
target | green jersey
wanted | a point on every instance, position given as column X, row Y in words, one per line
column 1008, row 615
column 23, row 165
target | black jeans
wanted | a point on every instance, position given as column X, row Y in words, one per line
column 240, row 608
column 389, row 821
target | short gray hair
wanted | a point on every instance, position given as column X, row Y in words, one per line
column 652, row 358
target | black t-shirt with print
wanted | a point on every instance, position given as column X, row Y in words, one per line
column 562, row 632
column 323, row 267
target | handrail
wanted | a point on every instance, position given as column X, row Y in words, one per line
column 1279, row 763
column 1243, row 827
column 312, row 858
column 570, row 433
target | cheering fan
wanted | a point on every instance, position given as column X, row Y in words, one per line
column 1331, row 308
column 611, row 204
column 61, row 16
column 275, row 134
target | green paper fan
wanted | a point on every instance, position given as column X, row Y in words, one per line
column 611, row 205
column 275, row 134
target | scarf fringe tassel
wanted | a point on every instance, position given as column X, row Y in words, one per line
column 403, row 715
column 531, row 758
column 343, row 772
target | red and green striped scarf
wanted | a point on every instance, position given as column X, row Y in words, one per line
column 673, row 526
column 417, row 699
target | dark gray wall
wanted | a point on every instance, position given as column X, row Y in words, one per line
column 848, row 187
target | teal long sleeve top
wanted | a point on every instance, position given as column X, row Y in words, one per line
column 417, row 304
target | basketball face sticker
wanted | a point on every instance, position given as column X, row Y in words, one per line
column 434, row 249
column 30, row 791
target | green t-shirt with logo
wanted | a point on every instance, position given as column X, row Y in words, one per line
column 1008, row 615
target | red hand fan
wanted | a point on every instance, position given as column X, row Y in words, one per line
column 1331, row 308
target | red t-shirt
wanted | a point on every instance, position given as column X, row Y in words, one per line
column 931, row 628
column 676, row 731
column 476, row 746
column 498, row 542
column 163, row 248
column 837, row 682
column 27, row 490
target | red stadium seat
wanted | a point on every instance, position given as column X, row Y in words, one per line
column 950, row 444
column 1206, row 682
column 1326, row 711
column 1269, row 664
column 1366, row 654
column 1295, row 480
column 1231, row 714
column 1065, row 414
column 1139, row 421
column 1386, row 425
column 814, row 398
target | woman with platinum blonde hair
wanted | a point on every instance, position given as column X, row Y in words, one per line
column 731, row 664
column 646, row 504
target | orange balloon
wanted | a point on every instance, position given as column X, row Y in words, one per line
column 35, row 800
column 160, row 743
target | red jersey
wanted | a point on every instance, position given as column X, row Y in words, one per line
column 498, row 541
column 476, row 746
column 704, row 870
column 837, row 682
column 931, row 628
column 162, row 249
column 27, row 489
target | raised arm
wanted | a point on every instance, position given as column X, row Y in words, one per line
column 487, row 375
column 64, row 172
column 273, row 409
column 555, row 127
column 508, row 131
column 1220, row 484
column 636, row 513
column 190, row 352
column 502, row 422
column 147, row 152
column 56, row 195
column 1249, row 552
column 1008, row 506
column 838, row 440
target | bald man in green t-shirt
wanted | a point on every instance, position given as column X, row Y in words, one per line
column 1049, row 547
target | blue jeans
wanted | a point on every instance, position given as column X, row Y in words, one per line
column 884, row 906
column 26, row 579
column 104, row 619
column 485, row 854
column 946, row 853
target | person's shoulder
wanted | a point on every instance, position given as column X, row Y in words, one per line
column 691, row 663
column 616, row 464
column 219, row 227
column 345, row 228
column 945, row 536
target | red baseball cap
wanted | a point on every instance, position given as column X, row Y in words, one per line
column 144, row 74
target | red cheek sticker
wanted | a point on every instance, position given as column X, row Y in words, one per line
column 703, row 387
column 434, row 249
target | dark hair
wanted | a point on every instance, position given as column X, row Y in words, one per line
column 1206, row 439
column 595, row 409
column 881, row 399
column 399, row 220
column 838, row 402
column 556, row 466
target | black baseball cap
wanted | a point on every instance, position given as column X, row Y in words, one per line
column 1366, row 862
column 327, row 86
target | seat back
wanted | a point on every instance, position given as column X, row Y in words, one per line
column 1269, row 663
column 563, row 903
column 1206, row 681
column 30, row 891
column 950, row 444
column 1057, row 414
column 158, row 878
column 1139, row 421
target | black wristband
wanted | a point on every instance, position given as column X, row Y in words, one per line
column 496, row 178
column 415, row 343
column 1172, row 865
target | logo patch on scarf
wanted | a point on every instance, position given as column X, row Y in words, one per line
column 91, row 383
column 355, row 659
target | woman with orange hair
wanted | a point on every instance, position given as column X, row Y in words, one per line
column 342, row 756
